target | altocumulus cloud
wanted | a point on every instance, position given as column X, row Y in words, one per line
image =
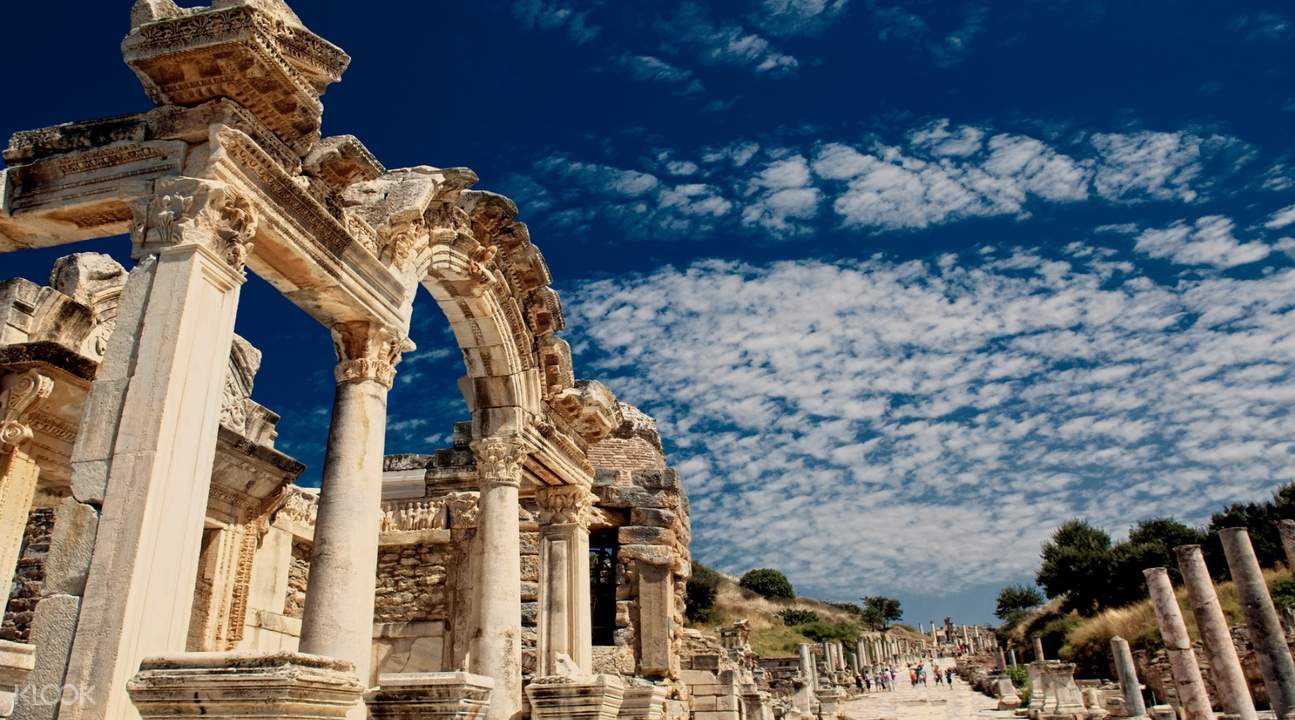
column 954, row 410
column 934, row 174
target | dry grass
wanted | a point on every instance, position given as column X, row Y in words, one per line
column 769, row 636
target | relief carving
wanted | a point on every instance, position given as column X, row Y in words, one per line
column 499, row 461
column 367, row 352
column 216, row 214
column 565, row 505
column 21, row 394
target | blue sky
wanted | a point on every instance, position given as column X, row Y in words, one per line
column 906, row 283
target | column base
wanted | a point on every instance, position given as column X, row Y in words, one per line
column 559, row 697
column 244, row 686
column 829, row 702
column 643, row 702
column 430, row 696
column 16, row 663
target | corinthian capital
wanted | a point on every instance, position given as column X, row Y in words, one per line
column 499, row 461
column 565, row 505
column 200, row 212
column 21, row 393
column 367, row 351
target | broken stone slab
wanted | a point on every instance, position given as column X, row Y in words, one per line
column 244, row 686
column 643, row 702
column 16, row 663
column 565, row 697
column 430, row 696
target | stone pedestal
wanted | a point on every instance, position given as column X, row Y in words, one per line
column 1038, row 687
column 829, row 702
column 1178, row 646
column 244, row 686
column 1265, row 630
column 16, row 663
column 1005, row 691
column 496, row 646
column 643, row 702
column 558, row 697
column 1216, row 635
column 1064, row 700
column 430, row 696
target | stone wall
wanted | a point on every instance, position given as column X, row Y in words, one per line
column 28, row 577
column 298, row 573
column 411, row 583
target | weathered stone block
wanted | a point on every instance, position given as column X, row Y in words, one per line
column 641, row 535
column 560, row 697
column 52, row 629
column 430, row 696
column 652, row 517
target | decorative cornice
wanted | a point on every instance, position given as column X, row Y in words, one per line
column 21, row 393
column 367, row 352
column 499, row 461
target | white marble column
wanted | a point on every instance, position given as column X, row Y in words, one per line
column 148, row 436
column 566, row 622
column 1183, row 666
column 1216, row 635
column 20, row 393
column 337, row 620
column 1271, row 651
column 496, row 649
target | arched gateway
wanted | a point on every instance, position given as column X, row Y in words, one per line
column 126, row 397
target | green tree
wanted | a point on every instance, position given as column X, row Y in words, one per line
column 769, row 583
column 880, row 611
column 1016, row 599
column 699, row 601
column 1151, row 544
column 1077, row 566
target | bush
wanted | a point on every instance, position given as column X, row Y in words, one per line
column 821, row 631
column 769, row 583
column 1021, row 680
column 701, row 590
column 1283, row 592
column 796, row 616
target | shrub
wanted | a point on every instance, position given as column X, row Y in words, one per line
column 769, row 583
column 796, row 616
column 701, row 590
column 822, row 631
column 1283, row 592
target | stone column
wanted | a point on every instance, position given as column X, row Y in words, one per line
column 807, row 668
column 1216, row 636
column 565, row 614
column 1130, row 688
column 20, row 393
column 337, row 620
column 496, row 649
column 1038, row 649
column 1178, row 645
column 148, row 437
column 1264, row 628
column 1286, row 528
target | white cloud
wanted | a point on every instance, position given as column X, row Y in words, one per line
column 798, row 17
column 880, row 404
column 1281, row 218
column 1208, row 241
column 645, row 68
column 556, row 14
column 691, row 28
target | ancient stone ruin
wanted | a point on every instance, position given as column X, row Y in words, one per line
column 163, row 560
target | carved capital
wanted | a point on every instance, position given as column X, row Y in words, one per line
column 499, row 461
column 565, row 505
column 21, row 393
column 366, row 351
column 187, row 210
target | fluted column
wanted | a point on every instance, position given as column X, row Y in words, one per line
column 496, row 649
column 337, row 621
column 1264, row 628
column 566, row 622
column 1216, row 636
column 1178, row 645
column 20, row 394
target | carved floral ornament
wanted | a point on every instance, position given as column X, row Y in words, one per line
column 21, row 393
column 565, row 505
column 213, row 210
column 499, row 460
column 366, row 351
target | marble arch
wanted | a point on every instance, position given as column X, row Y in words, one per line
column 229, row 173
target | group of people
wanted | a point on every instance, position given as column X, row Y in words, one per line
column 884, row 678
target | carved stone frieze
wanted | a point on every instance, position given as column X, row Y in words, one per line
column 590, row 408
column 499, row 460
column 413, row 514
column 367, row 352
column 20, row 395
